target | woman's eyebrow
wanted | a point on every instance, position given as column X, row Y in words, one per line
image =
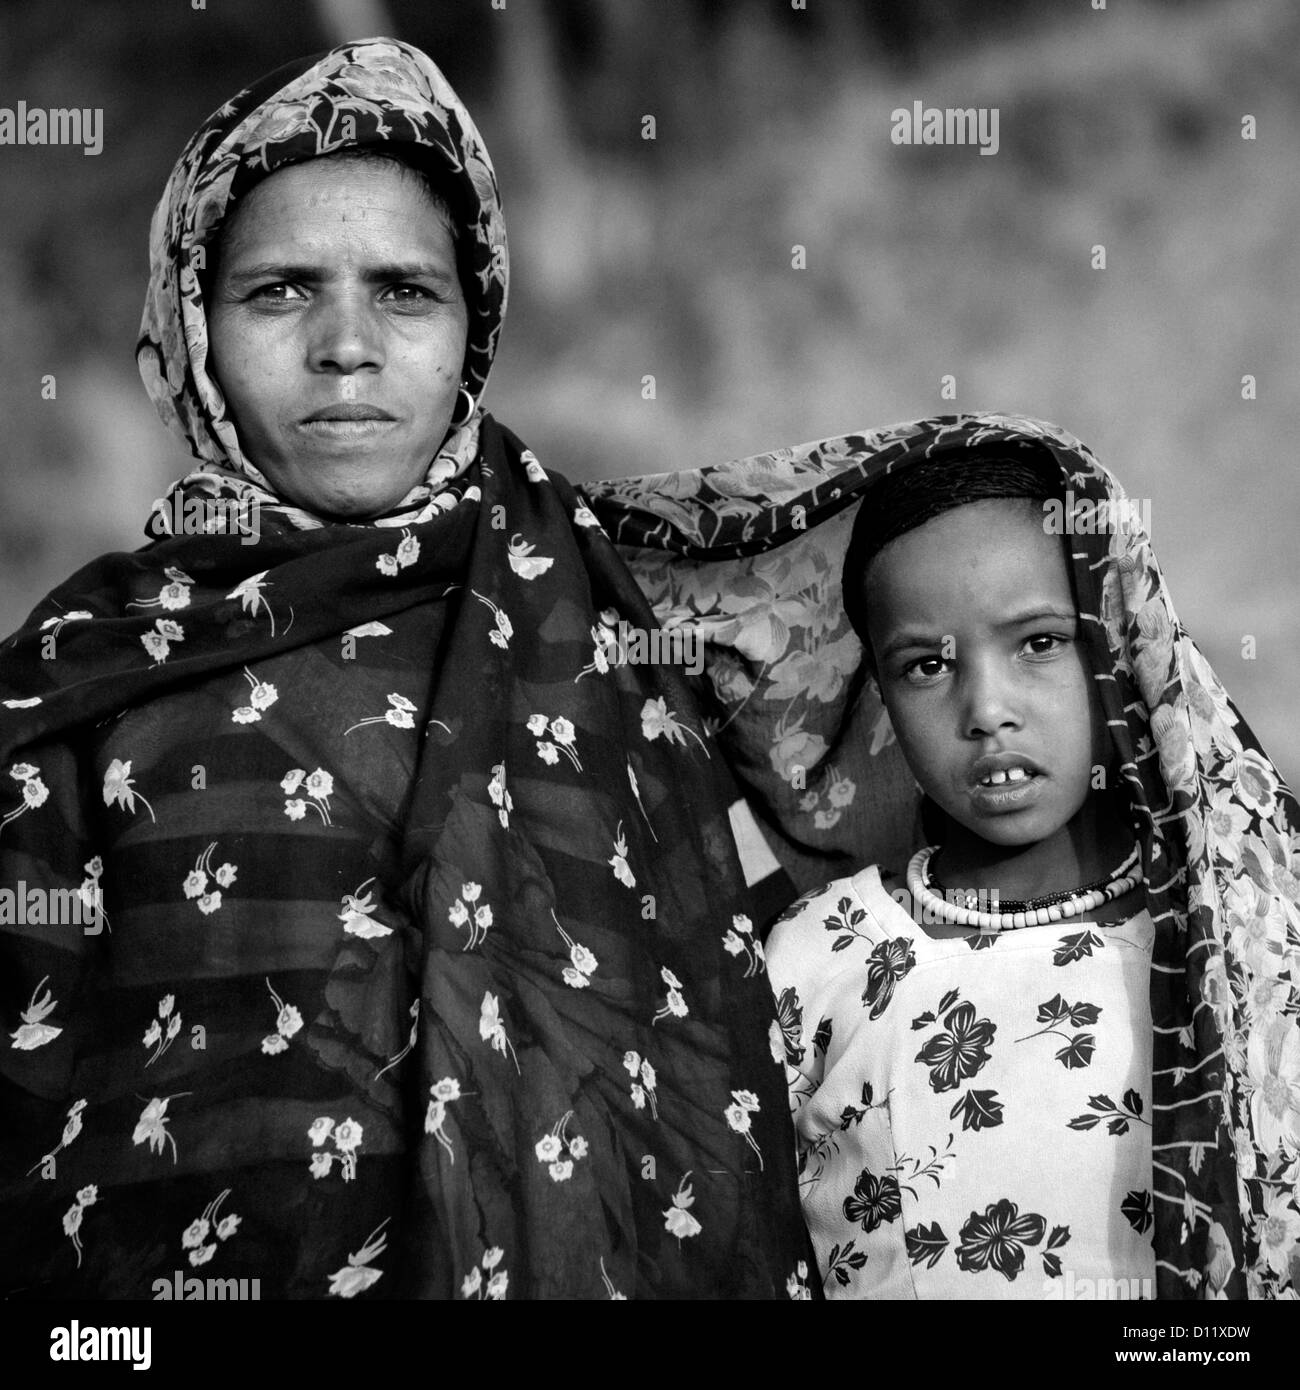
column 315, row 274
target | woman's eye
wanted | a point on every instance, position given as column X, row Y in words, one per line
column 1045, row 643
column 411, row 294
column 278, row 293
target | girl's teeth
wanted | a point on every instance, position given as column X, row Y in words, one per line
column 1014, row 774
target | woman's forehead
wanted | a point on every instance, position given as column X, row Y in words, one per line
column 341, row 208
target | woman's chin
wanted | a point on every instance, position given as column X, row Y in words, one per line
column 345, row 496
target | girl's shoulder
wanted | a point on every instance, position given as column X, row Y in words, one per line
column 828, row 919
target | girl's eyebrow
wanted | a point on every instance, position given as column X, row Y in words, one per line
column 1034, row 615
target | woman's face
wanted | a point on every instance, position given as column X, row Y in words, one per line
column 981, row 668
column 337, row 332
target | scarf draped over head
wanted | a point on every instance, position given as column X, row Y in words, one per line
column 749, row 555
column 364, row 95
column 425, row 965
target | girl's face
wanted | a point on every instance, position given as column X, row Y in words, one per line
column 975, row 636
column 338, row 333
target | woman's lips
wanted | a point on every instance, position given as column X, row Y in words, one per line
column 347, row 422
column 346, row 430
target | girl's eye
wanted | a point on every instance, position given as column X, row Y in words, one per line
column 924, row 668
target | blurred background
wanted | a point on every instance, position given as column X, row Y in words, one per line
column 672, row 257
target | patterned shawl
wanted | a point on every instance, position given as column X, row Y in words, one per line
column 415, row 972
column 749, row 555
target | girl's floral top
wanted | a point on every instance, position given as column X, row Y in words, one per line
column 973, row 1114
column 389, row 868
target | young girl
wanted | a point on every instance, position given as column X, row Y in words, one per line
column 969, row 1043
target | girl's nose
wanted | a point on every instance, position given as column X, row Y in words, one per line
column 990, row 704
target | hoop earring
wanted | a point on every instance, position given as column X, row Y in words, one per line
column 471, row 405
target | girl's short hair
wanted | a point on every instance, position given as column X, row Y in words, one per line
column 902, row 500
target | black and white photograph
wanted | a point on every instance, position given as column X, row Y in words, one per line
column 649, row 653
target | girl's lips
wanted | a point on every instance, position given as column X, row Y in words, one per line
column 1004, row 797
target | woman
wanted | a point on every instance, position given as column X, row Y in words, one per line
column 405, row 972
column 750, row 555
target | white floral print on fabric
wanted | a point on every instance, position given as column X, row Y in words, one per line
column 643, row 1082
column 657, row 719
column 562, row 739
column 485, row 1281
column 119, row 788
column 492, row 1030
column 441, row 1094
column 195, row 885
column 359, row 1273
column 346, row 1137
column 408, row 552
column 523, row 562
column 674, row 1005
column 151, row 1127
column 618, row 860
column 399, row 714
column 86, row 1197
column 71, row 1129
column 35, row 793
column 583, row 963
column 741, row 941
column 261, row 697
column 358, row 915
column 194, row 1238
column 33, row 1031
column 678, row 1219
column 607, row 651
column 288, row 1022
column 467, row 911
column 503, row 630
column 56, row 624
column 162, row 1030
column 252, row 600
column 319, row 787
column 559, row 1150
column 499, row 796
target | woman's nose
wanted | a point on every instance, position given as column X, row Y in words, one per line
column 346, row 336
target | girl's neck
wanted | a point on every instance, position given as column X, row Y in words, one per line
column 1086, row 849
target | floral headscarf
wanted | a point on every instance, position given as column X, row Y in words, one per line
column 371, row 93
column 749, row 555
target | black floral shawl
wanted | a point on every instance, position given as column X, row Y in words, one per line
column 404, row 973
